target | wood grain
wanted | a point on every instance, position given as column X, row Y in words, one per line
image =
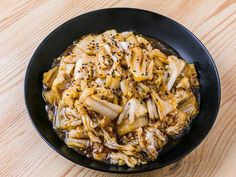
column 25, row 23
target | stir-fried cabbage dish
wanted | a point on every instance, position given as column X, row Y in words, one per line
column 116, row 98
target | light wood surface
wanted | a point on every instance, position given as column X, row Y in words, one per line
column 25, row 23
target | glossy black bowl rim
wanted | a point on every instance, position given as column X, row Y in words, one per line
column 117, row 171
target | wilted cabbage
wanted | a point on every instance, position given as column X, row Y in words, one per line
column 139, row 65
column 103, row 107
column 191, row 73
column 189, row 105
column 125, row 127
column 50, row 96
column 176, row 66
column 89, row 127
column 181, row 122
column 151, row 140
column 122, row 159
column 152, row 109
column 112, row 144
column 133, row 109
column 118, row 98
column 77, row 143
column 164, row 106
column 49, row 77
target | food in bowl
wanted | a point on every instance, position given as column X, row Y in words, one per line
column 119, row 97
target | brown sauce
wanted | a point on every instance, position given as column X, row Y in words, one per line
column 172, row 141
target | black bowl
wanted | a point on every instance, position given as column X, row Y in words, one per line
column 143, row 22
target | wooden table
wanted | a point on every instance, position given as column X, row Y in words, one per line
column 25, row 23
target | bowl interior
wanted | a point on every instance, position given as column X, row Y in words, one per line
column 123, row 19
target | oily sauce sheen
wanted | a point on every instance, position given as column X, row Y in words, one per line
column 172, row 141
